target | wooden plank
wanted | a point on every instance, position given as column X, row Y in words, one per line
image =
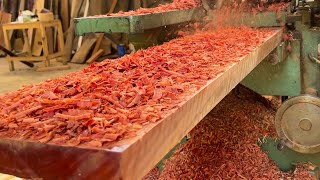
column 22, row 5
column 49, row 31
column 65, row 14
column 55, row 55
column 38, row 5
column 45, row 46
column 26, row 46
column 130, row 158
column 106, row 46
column 95, row 56
column 4, row 18
column 50, row 37
column 158, row 139
column 37, row 42
column 35, row 34
column 113, row 6
column 98, row 43
column 53, row 68
column 82, row 53
column 61, row 43
column 86, row 9
column 76, row 6
column 26, row 59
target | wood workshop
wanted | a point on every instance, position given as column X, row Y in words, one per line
column 159, row 89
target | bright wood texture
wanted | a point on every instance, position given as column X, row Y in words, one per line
column 130, row 158
column 158, row 139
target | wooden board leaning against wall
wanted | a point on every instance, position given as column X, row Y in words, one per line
column 65, row 10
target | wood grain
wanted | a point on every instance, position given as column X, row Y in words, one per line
column 98, row 43
column 4, row 18
column 95, row 56
column 86, row 10
column 131, row 158
column 53, row 68
column 81, row 55
column 149, row 148
column 76, row 6
column 65, row 14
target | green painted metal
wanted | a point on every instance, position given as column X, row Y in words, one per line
column 147, row 39
column 160, row 165
column 282, row 79
column 287, row 158
column 311, row 71
column 261, row 19
column 135, row 24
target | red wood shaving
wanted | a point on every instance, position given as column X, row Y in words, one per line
column 175, row 5
column 224, row 144
column 119, row 97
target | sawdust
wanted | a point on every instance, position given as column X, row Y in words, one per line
column 224, row 144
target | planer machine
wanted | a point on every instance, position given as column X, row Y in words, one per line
column 289, row 68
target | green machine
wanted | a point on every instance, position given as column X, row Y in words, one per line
column 297, row 75
column 291, row 70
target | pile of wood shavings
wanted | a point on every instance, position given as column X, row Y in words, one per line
column 223, row 145
column 111, row 100
column 175, row 5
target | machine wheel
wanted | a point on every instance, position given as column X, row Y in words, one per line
column 298, row 123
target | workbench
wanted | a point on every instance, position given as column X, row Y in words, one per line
column 41, row 26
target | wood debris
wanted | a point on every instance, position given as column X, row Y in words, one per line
column 113, row 97
column 224, row 144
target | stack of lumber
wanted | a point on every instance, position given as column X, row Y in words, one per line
column 89, row 48
column 86, row 49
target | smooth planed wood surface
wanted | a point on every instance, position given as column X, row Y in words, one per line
column 148, row 149
column 130, row 158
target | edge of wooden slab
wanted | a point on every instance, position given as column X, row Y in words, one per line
column 147, row 150
column 130, row 158
column 36, row 160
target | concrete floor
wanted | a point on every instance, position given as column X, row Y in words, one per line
column 23, row 75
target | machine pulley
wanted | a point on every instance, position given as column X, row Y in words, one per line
column 298, row 124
